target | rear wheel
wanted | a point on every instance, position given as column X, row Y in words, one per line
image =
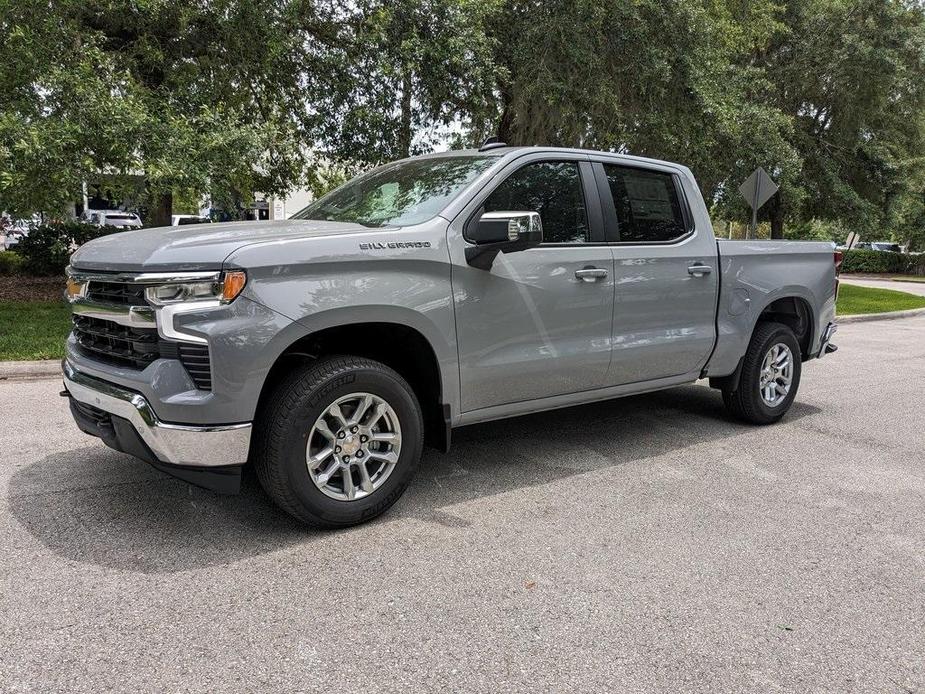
column 339, row 442
column 770, row 376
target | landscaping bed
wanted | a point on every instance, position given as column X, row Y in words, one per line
column 25, row 288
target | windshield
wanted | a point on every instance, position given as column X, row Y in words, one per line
column 399, row 194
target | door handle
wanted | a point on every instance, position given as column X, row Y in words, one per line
column 699, row 270
column 590, row 274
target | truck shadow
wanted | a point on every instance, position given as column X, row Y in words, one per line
column 101, row 507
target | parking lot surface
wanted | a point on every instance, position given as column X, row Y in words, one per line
column 645, row 544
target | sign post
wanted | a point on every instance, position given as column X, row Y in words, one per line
column 757, row 190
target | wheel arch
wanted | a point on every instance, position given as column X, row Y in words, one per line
column 398, row 345
column 794, row 310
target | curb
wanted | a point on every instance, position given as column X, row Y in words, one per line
column 892, row 315
column 30, row 370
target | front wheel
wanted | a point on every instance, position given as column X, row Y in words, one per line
column 339, row 442
column 770, row 376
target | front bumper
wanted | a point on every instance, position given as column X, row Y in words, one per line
column 209, row 446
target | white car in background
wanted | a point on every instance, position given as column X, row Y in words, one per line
column 119, row 219
column 178, row 219
column 14, row 230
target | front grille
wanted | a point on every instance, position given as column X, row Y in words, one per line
column 130, row 346
column 117, row 293
column 116, row 344
column 137, row 347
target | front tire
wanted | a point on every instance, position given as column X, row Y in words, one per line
column 770, row 376
column 339, row 441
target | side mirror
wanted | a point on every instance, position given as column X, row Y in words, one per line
column 502, row 232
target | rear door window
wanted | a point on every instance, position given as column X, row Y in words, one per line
column 649, row 209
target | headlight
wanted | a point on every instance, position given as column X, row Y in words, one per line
column 225, row 289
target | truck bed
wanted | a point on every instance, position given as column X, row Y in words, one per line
column 755, row 274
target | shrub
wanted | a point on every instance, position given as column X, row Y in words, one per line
column 47, row 248
column 916, row 264
column 11, row 263
column 874, row 261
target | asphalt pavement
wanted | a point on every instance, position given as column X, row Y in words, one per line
column 645, row 544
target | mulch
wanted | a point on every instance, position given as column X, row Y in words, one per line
column 20, row 288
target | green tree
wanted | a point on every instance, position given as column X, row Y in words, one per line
column 194, row 96
column 850, row 77
column 410, row 69
column 666, row 80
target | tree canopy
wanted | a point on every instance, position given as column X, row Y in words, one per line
column 231, row 97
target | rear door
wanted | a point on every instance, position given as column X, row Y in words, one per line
column 665, row 272
column 538, row 323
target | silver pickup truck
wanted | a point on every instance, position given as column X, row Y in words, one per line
column 430, row 293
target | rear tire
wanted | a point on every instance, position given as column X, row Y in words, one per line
column 771, row 366
column 296, row 435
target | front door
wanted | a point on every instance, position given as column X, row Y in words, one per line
column 538, row 323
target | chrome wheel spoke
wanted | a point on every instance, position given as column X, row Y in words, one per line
column 315, row 461
column 326, row 476
column 379, row 412
column 387, row 456
column 366, row 484
column 350, row 491
column 386, row 437
column 338, row 414
column 322, row 428
column 361, row 409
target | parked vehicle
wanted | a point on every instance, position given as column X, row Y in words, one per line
column 427, row 294
column 14, row 230
column 887, row 246
column 112, row 218
column 180, row 219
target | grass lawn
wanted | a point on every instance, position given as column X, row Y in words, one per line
column 33, row 329
column 853, row 300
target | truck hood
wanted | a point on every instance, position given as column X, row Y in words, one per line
column 193, row 246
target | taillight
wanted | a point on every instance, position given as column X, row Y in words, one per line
column 839, row 257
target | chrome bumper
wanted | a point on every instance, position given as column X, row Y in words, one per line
column 177, row 444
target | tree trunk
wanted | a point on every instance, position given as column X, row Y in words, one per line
column 404, row 128
column 159, row 215
column 505, row 131
column 776, row 215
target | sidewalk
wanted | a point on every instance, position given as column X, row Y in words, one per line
column 896, row 285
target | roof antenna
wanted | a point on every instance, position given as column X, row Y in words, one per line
column 492, row 143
